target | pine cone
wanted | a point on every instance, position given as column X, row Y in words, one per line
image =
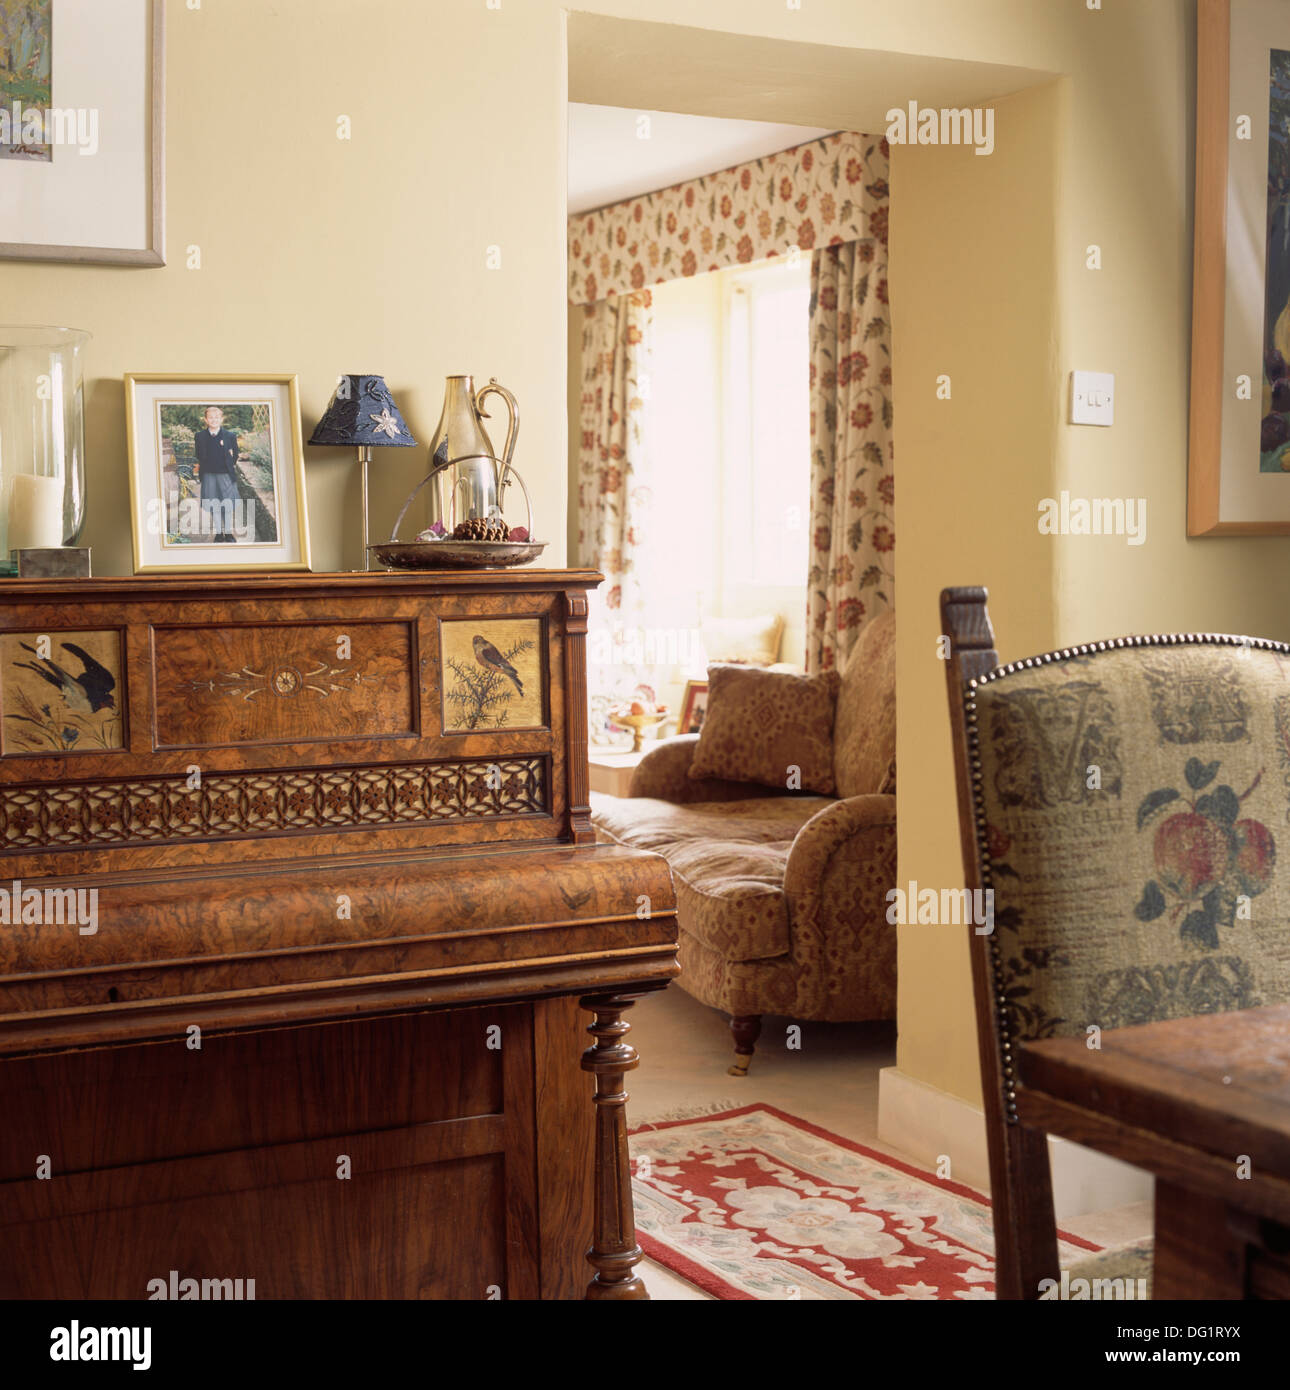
column 479, row 528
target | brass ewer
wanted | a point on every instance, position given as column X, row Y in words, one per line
column 466, row 482
column 471, row 480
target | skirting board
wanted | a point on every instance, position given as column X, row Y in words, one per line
column 927, row 1123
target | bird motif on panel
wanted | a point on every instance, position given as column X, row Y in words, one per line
column 87, row 693
column 487, row 655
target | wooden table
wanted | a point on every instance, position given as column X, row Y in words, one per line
column 1204, row 1104
column 611, row 769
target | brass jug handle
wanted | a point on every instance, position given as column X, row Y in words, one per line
column 512, row 428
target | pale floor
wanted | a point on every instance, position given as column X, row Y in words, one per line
column 832, row 1081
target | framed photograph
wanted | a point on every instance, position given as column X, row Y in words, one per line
column 82, row 131
column 694, row 707
column 1239, row 453
column 217, row 476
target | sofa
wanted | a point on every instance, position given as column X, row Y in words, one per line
column 781, row 895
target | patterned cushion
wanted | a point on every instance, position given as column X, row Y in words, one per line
column 760, row 724
column 864, row 731
column 1132, row 807
column 727, row 860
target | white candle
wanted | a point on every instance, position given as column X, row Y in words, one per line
column 35, row 512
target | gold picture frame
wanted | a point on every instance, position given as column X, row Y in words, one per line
column 1234, row 485
column 694, row 701
column 174, row 524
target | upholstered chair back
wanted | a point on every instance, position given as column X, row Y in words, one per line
column 1132, row 816
column 864, row 725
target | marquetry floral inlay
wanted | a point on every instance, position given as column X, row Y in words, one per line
column 324, row 678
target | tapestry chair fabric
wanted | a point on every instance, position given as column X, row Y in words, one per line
column 1133, row 799
column 1128, row 801
column 782, row 896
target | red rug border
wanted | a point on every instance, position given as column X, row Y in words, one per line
column 713, row 1284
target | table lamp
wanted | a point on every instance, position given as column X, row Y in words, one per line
column 362, row 413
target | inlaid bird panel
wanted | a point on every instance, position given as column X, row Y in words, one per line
column 62, row 692
column 492, row 674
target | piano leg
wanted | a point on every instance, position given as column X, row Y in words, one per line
column 614, row 1253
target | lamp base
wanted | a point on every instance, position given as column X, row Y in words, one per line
column 364, row 458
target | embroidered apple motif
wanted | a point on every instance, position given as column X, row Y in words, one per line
column 1205, row 858
column 1192, row 854
column 1254, row 856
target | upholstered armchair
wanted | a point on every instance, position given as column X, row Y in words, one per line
column 1122, row 802
column 782, row 895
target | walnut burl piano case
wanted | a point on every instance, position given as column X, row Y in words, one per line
column 316, row 1008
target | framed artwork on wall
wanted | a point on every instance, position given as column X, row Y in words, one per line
column 694, row 707
column 82, row 131
column 216, row 473
column 1239, row 450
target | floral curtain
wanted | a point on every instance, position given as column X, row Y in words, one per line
column 614, row 493
column 823, row 193
column 853, row 537
column 613, row 487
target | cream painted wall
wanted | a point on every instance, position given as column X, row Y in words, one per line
column 573, row 386
column 322, row 256
column 1133, row 318
column 973, row 258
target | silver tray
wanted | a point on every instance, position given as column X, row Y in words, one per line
column 456, row 555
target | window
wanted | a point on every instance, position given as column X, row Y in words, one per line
column 730, row 448
column 767, row 425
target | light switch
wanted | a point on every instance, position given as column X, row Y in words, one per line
column 1092, row 398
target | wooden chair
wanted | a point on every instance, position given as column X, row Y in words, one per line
column 1021, row 1190
column 1120, row 801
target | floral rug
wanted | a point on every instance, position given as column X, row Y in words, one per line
column 755, row 1204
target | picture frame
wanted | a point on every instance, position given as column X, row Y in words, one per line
column 694, row 707
column 91, row 189
column 217, row 478
column 1238, row 470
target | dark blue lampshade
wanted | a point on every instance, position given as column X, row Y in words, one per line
column 362, row 411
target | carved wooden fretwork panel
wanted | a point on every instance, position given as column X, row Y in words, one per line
column 244, row 804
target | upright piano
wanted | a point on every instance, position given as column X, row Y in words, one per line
column 302, row 930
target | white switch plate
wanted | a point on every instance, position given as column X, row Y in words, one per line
column 1092, row 398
